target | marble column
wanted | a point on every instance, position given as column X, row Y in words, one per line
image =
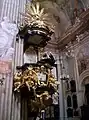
column 61, row 93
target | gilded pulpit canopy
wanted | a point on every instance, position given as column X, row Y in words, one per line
column 36, row 16
column 38, row 26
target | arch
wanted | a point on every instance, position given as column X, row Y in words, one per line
column 83, row 76
column 83, row 80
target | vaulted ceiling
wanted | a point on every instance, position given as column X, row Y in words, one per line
column 62, row 13
column 58, row 17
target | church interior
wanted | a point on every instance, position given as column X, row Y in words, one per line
column 44, row 59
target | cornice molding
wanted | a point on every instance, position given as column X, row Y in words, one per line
column 52, row 45
column 76, row 29
column 84, row 40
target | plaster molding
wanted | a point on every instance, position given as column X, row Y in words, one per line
column 74, row 30
column 79, row 45
column 83, row 75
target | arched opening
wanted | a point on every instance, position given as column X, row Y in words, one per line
column 74, row 98
column 85, row 88
column 69, row 104
column 73, row 86
column 69, row 112
column 87, row 93
column 85, row 84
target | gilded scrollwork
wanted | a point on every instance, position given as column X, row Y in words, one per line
column 42, row 91
column 28, row 77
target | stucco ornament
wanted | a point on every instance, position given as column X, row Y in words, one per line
column 8, row 32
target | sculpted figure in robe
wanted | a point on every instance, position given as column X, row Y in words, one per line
column 8, row 32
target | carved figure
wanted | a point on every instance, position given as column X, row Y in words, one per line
column 8, row 32
column 17, row 81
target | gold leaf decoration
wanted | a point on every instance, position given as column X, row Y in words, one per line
column 36, row 16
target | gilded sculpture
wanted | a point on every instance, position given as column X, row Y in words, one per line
column 29, row 78
column 35, row 16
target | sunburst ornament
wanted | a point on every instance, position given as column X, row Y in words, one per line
column 35, row 16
